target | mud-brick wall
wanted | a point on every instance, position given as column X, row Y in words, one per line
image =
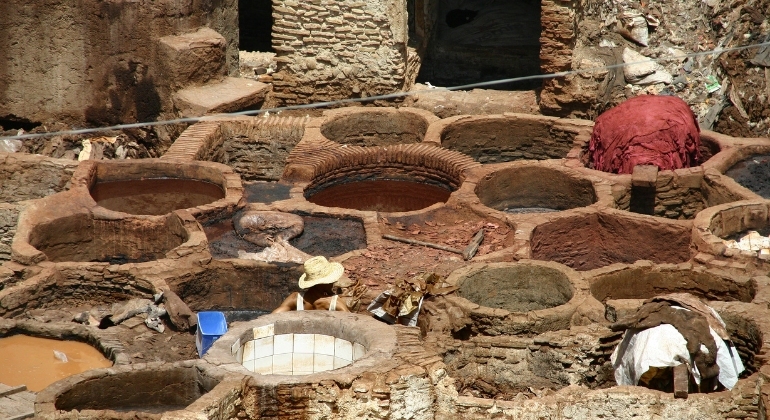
column 9, row 214
column 333, row 49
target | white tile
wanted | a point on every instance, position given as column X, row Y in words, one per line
column 249, row 365
column 324, row 344
column 264, row 331
column 338, row 363
column 303, row 362
column 263, row 347
column 304, row 343
column 264, row 365
column 235, row 347
column 283, row 343
column 248, row 350
column 343, row 349
column 323, row 362
column 239, row 355
column 282, row 362
column 358, row 351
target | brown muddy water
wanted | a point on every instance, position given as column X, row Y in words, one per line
column 155, row 196
column 30, row 361
column 381, row 195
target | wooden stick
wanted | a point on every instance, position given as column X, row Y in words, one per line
column 473, row 247
column 428, row 244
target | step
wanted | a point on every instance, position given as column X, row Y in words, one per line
column 229, row 95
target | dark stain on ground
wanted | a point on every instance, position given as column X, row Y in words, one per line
column 753, row 173
column 330, row 237
column 265, row 192
column 325, row 236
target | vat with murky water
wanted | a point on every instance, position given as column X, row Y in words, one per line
column 32, row 361
column 383, row 195
column 155, row 196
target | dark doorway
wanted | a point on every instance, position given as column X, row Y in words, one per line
column 255, row 21
column 482, row 40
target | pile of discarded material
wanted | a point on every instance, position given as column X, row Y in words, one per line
column 402, row 302
column 676, row 343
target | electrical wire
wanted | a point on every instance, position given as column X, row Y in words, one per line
column 388, row 96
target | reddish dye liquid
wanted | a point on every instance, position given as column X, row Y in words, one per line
column 155, row 196
column 381, row 195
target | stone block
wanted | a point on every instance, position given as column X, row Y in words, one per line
column 231, row 94
column 193, row 58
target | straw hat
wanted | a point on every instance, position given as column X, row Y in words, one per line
column 320, row 271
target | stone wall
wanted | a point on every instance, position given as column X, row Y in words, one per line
column 95, row 61
column 9, row 214
column 330, row 49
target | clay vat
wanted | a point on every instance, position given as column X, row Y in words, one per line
column 27, row 350
column 753, row 173
column 518, row 298
column 80, row 237
column 147, row 390
column 387, row 179
column 157, row 187
column 508, row 137
column 255, row 148
column 715, row 225
column 525, row 189
column 376, row 126
column 306, row 343
column 382, row 195
column 592, row 240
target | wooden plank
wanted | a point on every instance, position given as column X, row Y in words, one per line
column 681, row 381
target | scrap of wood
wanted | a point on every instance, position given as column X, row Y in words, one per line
column 423, row 243
column 473, row 247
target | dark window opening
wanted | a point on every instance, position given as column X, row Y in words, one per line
column 12, row 122
column 255, row 22
column 483, row 40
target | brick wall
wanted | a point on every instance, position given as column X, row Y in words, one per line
column 329, row 49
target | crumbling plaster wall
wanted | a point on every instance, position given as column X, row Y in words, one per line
column 330, row 49
column 94, row 61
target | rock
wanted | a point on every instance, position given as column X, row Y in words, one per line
column 264, row 227
column 641, row 68
column 178, row 312
column 123, row 311
column 634, row 26
column 644, row 71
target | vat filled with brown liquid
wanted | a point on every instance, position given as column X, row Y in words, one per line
column 31, row 361
column 155, row 196
column 381, row 195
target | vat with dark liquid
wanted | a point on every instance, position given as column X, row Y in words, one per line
column 155, row 196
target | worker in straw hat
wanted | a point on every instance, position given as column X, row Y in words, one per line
column 316, row 288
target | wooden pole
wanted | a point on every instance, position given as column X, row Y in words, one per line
column 473, row 247
column 428, row 244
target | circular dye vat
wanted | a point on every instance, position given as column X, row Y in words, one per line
column 376, row 127
column 381, row 195
column 585, row 242
column 517, row 288
column 534, row 189
column 155, row 196
column 296, row 354
column 31, row 361
column 753, row 173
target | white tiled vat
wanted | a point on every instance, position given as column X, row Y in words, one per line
column 294, row 354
